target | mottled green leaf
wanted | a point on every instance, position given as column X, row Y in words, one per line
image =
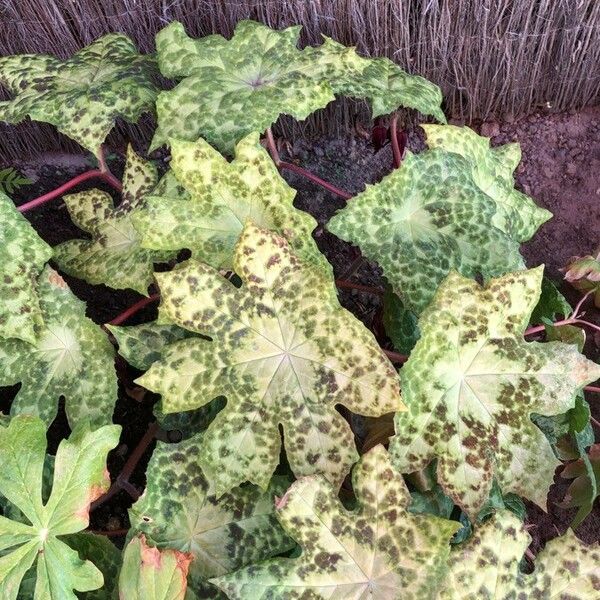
column 83, row 95
column 492, row 171
column 113, row 255
column 283, row 351
column 438, row 213
column 72, row 358
column 22, row 256
column 583, row 273
column 551, row 304
column 400, row 324
column 151, row 574
column 487, row 566
column 222, row 195
column 233, row 87
column 179, row 510
column 80, row 476
column 471, row 385
column 379, row 550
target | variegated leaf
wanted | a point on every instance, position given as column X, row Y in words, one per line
column 221, row 196
column 471, row 385
column 435, row 214
column 151, row 574
column 583, row 273
column 114, row 255
column 487, row 566
column 233, row 87
column 179, row 510
column 72, row 358
column 83, row 95
column 80, row 476
column 22, row 256
column 379, row 551
column 283, row 351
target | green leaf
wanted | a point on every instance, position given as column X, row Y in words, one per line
column 283, row 351
column 550, row 304
column 583, row 273
column 83, row 95
column 583, row 491
column 400, row 324
column 231, row 88
column 180, row 510
column 80, row 477
column 378, row 551
column 437, row 213
column 11, row 180
column 471, row 385
column 22, row 255
column 151, row 574
column 487, row 565
column 222, row 195
column 114, row 255
column 72, row 358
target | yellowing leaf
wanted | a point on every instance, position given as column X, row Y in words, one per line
column 379, row 551
column 471, row 385
column 22, row 257
column 583, row 273
column 221, row 196
column 83, row 95
column 114, row 255
column 231, row 88
column 283, row 351
column 72, row 357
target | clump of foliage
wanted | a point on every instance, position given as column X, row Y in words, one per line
column 270, row 492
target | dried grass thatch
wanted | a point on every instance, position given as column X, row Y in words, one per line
column 491, row 57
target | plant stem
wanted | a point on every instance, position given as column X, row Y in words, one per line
column 343, row 284
column 572, row 320
column 122, row 481
column 133, row 309
column 592, row 389
column 272, row 146
column 395, row 145
column 110, row 533
column 395, row 357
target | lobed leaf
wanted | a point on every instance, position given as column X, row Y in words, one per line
column 152, row 574
column 583, row 273
column 231, row 88
column 487, row 566
column 114, row 255
column 80, row 476
column 220, row 197
column 378, row 550
column 72, row 358
column 283, row 351
column 22, row 255
column 83, row 95
column 180, row 510
column 471, row 385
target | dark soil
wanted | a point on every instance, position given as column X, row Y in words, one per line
column 560, row 170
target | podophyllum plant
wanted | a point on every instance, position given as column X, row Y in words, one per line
column 252, row 352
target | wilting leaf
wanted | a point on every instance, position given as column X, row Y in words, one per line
column 487, row 566
column 22, row 256
column 179, row 510
column 583, row 491
column 221, row 196
column 83, row 95
column 471, row 385
column 583, row 273
column 435, row 214
column 72, row 358
column 379, row 551
column 151, row 574
column 283, row 351
column 113, row 256
column 233, row 87
column 80, row 476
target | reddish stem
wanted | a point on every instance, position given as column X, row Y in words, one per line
column 308, row 175
column 111, row 533
column 122, row 481
column 395, row 145
column 341, row 283
column 592, row 388
column 395, row 357
column 133, row 309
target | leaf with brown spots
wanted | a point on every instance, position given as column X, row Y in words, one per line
column 471, row 385
column 487, row 566
column 114, row 256
column 379, row 551
column 283, row 352
column 84, row 95
column 152, row 574
column 583, row 273
column 80, row 476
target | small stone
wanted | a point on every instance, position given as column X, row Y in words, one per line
column 490, row 129
column 572, row 168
